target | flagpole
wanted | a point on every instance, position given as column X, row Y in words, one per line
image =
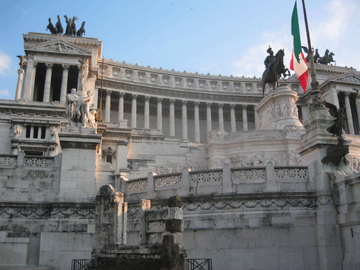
column 317, row 101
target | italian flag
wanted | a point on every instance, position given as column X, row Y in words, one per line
column 298, row 61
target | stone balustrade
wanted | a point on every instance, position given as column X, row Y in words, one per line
column 183, row 80
column 8, row 160
column 221, row 181
column 11, row 161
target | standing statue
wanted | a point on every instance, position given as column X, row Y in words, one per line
column 68, row 26
column 274, row 70
column 58, row 26
column 51, row 27
column 78, row 108
column 337, row 153
column 339, row 115
column 22, row 61
column 81, row 30
column 316, row 56
column 73, row 26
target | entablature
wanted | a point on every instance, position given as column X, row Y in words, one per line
column 167, row 93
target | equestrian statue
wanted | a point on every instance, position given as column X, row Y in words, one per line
column 274, row 69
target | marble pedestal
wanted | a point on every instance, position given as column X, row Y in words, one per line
column 278, row 109
column 77, row 181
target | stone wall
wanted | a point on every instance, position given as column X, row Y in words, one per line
column 29, row 179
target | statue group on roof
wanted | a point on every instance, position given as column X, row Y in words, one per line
column 326, row 59
column 70, row 27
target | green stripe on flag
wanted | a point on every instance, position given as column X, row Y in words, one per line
column 295, row 31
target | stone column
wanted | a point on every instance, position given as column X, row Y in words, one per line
column 197, row 122
column 184, row 120
column 208, row 118
column 26, row 93
column 133, row 111
column 47, row 85
column 334, row 93
column 244, row 115
column 64, row 83
column 221, row 116
column 349, row 114
column 147, row 113
column 40, row 132
column 232, row 117
column 159, row 114
column 19, row 83
column 172, row 118
column 31, row 132
column 32, row 86
column 107, row 106
column 121, row 107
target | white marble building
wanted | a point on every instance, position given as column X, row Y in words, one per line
column 256, row 194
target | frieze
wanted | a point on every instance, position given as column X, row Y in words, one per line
column 308, row 202
column 63, row 60
column 291, row 158
column 73, row 212
column 29, row 212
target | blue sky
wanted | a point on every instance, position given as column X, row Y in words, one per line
column 225, row 37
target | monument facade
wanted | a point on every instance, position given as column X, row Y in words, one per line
column 255, row 192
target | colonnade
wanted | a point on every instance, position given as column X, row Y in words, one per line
column 26, row 81
column 184, row 114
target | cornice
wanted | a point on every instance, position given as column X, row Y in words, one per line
column 23, row 108
column 32, row 36
column 182, row 93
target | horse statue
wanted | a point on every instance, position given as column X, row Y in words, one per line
column 274, row 71
column 331, row 59
column 51, row 27
column 81, row 31
column 324, row 59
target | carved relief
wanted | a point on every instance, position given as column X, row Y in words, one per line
column 116, row 72
column 260, row 159
column 217, row 134
column 355, row 164
column 175, row 167
column 58, row 47
column 17, row 130
column 351, row 79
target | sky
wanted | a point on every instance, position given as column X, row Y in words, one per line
column 224, row 37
